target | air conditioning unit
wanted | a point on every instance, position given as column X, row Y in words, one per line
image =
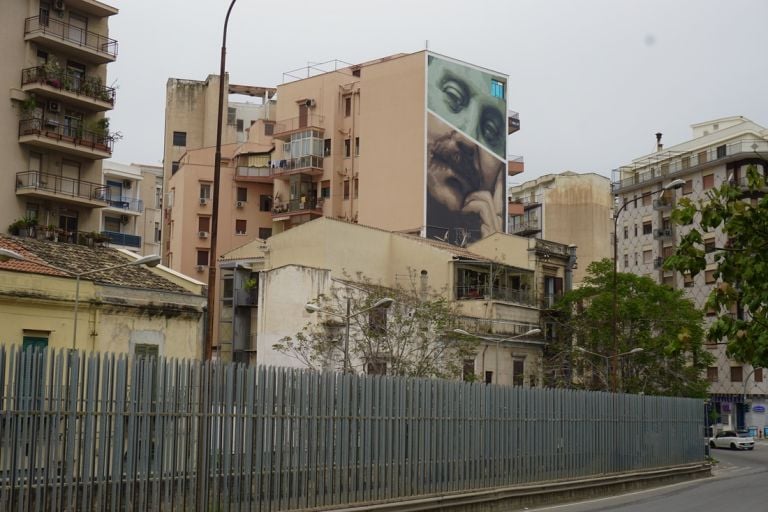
column 200, row 268
column 54, row 106
column 309, row 103
column 240, row 204
column 58, row 5
column 203, row 201
column 202, row 234
column 124, row 219
column 127, row 184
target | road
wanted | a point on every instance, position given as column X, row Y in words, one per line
column 738, row 485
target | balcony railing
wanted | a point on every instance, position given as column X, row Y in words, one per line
column 297, row 123
column 297, row 205
column 71, row 33
column 101, row 141
column 60, row 185
column 122, row 239
column 493, row 326
column 530, row 226
column 669, row 163
column 469, row 292
column 126, row 203
column 295, row 164
column 253, row 172
column 89, row 86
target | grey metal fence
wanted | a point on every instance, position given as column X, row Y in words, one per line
column 102, row 432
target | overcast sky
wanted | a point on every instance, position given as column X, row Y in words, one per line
column 593, row 80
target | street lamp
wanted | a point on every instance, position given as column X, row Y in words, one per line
column 384, row 302
column 498, row 341
column 672, row 185
column 150, row 261
column 215, row 203
column 611, row 359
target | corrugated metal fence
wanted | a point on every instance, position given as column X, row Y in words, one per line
column 93, row 432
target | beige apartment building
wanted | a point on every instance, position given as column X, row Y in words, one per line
column 719, row 150
column 570, row 208
column 500, row 284
column 54, row 133
column 387, row 143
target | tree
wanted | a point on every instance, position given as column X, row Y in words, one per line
column 651, row 316
column 410, row 338
column 740, row 212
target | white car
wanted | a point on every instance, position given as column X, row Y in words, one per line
column 733, row 440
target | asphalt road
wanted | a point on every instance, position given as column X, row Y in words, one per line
column 738, row 485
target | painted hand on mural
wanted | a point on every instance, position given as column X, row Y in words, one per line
column 488, row 207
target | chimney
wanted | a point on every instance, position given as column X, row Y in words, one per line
column 659, row 145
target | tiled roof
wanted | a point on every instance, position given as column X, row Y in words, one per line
column 75, row 259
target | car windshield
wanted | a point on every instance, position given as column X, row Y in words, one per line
column 744, row 434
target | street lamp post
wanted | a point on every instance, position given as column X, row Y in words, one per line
column 498, row 341
column 314, row 308
column 674, row 184
column 150, row 261
column 610, row 361
column 215, row 191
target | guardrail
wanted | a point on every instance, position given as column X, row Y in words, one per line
column 71, row 33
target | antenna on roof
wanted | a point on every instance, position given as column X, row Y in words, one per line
column 426, row 44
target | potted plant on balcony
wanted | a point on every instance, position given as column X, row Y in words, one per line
column 52, row 72
column 25, row 227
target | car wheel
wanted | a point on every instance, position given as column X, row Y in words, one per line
column 733, row 446
column 712, row 444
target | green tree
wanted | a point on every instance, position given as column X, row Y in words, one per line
column 651, row 316
column 740, row 212
column 410, row 338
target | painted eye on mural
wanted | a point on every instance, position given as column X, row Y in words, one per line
column 455, row 95
column 491, row 127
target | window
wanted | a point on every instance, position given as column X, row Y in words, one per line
column 146, row 350
column 709, row 276
column 709, row 245
column 376, row 366
column 667, row 251
column 265, row 203
column 647, row 199
column 626, row 232
column 688, row 280
column 758, row 375
column 688, row 187
column 685, row 162
column 242, row 194
column 377, row 321
column 159, row 194
column 647, row 256
column 239, row 125
column 626, row 260
column 231, row 115
column 204, row 224
column 711, row 312
column 347, row 148
column 497, row 89
column 647, row 227
column 35, row 339
column 180, row 139
column 347, row 106
column 468, row 370
column 265, row 233
column 205, row 191
column 737, row 373
column 708, row 181
column 518, row 372
column 637, row 260
column 635, row 229
column 240, row 225
column 357, row 146
column 158, row 232
column 327, row 147
column 202, row 257
column 721, row 151
column 346, row 189
column 174, row 167
column 112, row 224
column 488, row 377
column 325, row 189
column 269, row 128
column 669, row 280
column 712, row 374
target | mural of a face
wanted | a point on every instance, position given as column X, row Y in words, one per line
column 466, row 144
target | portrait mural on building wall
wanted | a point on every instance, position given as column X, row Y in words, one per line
column 466, row 152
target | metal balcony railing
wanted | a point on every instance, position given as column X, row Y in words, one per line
column 297, row 123
column 493, row 326
column 496, row 293
column 122, row 239
column 297, row 205
column 101, row 141
column 525, row 227
column 60, row 185
column 126, row 203
column 89, row 86
column 71, row 34
column 294, row 164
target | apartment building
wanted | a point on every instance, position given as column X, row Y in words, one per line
column 570, row 208
column 191, row 112
column 54, row 129
column 500, row 285
column 719, row 150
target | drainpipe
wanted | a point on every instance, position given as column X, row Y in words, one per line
column 569, row 266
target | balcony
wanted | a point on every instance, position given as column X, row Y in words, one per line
column 254, row 174
column 548, row 300
column 59, row 188
column 493, row 326
column 515, row 165
column 284, row 129
column 486, row 292
column 312, row 165
column 71, row 39
column 663, row 234
column 662, row 204
column 125, row 204
column 49, row 134
column 658, row 263
column 93, row 7
column 525, row 228
column 87, row 93
column 123, row 239
column 513, row 122
column 284, row 211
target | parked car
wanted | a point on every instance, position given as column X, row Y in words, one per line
column 733, row 440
